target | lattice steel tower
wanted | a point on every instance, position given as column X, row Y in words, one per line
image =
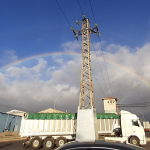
column 86, row 100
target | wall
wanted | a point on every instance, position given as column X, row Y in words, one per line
column 110, row 106
column 9, row 121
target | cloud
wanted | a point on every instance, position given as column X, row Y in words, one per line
column 8, row 57
column 128, row 72
column 59, row 61
column 71, row 46
column 24, row 72
column 50, row 70
column 40, row 67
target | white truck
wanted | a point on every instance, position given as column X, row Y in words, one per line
column 50, row 129
column 131, row 129
column 47, row 129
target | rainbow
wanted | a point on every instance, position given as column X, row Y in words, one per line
column 74, row 54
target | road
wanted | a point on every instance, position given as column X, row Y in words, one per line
column 17, row 145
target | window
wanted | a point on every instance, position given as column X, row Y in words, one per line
column 135, row 123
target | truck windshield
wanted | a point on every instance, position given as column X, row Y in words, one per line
column 135, row 123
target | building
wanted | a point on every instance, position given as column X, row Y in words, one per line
column 50, row 110
column 110, row 104
column 10, row 122
column 16, row 112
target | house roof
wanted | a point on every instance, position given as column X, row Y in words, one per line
column 16, row 112
column 50, row 110
column 106, row 98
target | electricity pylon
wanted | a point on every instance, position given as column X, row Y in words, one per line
column 86, row 85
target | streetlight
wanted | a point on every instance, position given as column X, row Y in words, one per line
column 56, row 100
column 143, row 117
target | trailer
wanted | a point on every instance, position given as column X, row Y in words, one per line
column 58, row 128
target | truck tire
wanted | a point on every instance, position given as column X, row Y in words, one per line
column 134, row 141
column 35, row 143
column 60, row 141
column 49, row 143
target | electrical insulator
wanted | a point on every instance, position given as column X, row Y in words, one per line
column 83, row 16
column 76, row 37
column 77, row 22
column 96, row 25
column 72, row 28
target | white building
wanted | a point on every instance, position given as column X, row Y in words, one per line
column 110, row 104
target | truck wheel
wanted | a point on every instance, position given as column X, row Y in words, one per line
column 60, row 141
column 134, row 141
column 49, row 143
column 36, row 143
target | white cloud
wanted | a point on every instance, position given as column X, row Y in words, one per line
column 71, row 46
column 8, row 57
column 24, row 72
column 123, row 67
column 50, row 70
column 59, row 61
column 40, row 67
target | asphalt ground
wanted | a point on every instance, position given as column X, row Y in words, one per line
column 17, row 145
column 147, row 134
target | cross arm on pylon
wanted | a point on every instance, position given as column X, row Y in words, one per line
column 91, row 30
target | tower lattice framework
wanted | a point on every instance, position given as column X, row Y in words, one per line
column 86, row 99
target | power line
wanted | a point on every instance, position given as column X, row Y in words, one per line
column 132, row 106
column 92, row 11
column 102, row 50
column 66, row 18
column 106, row 67
column 136, row 104
column 99, row 66
column 144, row 103
column 63, row 13
column 80, row 7
column 8, row 106
column 78, row 41
column 98, row 84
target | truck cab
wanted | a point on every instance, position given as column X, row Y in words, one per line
column 131, row 129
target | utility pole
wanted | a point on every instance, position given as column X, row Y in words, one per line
column 86, row 85
column 86, row 121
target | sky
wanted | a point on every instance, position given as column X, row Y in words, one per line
column 40, row 59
